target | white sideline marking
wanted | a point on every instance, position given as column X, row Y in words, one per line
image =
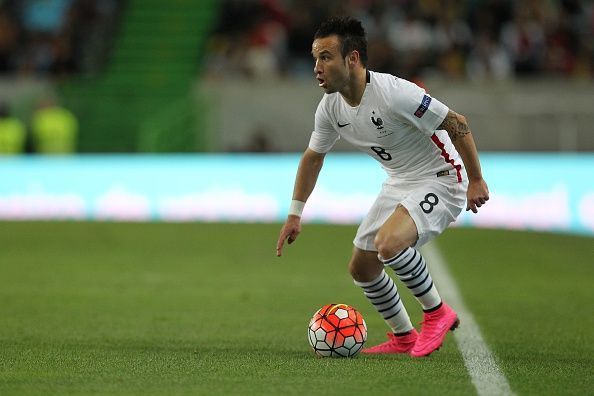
column 478, row 359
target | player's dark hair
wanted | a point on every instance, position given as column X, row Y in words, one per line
column 350, row 32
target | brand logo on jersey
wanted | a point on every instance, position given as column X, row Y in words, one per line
column 423, row 107
column 342, row 125
column 378, row 122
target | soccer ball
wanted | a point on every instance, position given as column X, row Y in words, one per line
column 337, row 330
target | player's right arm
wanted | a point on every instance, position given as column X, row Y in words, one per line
column 307, row 176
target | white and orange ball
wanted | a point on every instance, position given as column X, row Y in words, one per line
column 337, row 330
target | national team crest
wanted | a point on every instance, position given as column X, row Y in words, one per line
column 378, row 122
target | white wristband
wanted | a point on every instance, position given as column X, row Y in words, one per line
column 296, row 208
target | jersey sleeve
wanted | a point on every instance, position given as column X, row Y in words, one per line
column 414, row 106
column 324, row 135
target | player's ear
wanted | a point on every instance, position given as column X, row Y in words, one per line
column 353, row 58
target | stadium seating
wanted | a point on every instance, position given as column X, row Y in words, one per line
column 144, row 91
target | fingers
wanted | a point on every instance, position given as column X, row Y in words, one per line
column 477, row 196
column 280, row 244
column 292, row 237
column 288, row 233
column 279, row 251
column 289, row 236
column 471, row 206
column 474, row 204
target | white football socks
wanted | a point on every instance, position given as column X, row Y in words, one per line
column 383, row 294
column 411, row 269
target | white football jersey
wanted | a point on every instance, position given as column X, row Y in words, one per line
column 395, row 123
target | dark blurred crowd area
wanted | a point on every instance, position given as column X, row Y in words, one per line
column 55, row 38
column 471, row 39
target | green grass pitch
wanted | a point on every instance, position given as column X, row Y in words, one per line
column 208, row 309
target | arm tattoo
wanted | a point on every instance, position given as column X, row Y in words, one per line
column 455, row 125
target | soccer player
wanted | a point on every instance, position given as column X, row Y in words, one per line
column 432, row 166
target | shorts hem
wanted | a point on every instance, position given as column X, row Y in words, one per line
column 364, row 248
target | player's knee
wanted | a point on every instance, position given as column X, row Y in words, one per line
column 354, row 270
column 363, row 271
column 358, row 271
column 389, row 246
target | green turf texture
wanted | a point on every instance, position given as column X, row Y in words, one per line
column 105, row 308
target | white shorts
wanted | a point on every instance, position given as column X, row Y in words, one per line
column 432, row 203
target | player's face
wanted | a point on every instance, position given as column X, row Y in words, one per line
column 331, row 69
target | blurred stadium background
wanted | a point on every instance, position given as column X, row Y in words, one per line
column 114, row 114
column 108, row 77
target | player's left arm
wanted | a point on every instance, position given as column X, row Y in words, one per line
column 457, row 128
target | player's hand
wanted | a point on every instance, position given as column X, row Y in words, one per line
column 477, row 195
column 290, row 231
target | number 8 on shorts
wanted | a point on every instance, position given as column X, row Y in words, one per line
column 429, row 202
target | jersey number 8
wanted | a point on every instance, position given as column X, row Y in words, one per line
column 382, row 153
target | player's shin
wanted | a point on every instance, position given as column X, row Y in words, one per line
column 410, row 267
column 383, row 294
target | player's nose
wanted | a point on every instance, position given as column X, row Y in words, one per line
column 317, row 69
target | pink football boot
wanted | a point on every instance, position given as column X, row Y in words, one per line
column 436, row 325
column 395, row 344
